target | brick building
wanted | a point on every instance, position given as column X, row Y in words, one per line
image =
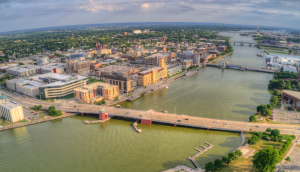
column 96, row 92
column 152, row 75
column 124, row 82
column 116, row 69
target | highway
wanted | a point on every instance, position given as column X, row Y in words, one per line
column 166, row 118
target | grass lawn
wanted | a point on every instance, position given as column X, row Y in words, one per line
column 272, row 48
column 245, row 164
column 4, row 123
column 277, row 52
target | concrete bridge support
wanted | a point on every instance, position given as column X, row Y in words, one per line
column 146, row 121
column 82, row 113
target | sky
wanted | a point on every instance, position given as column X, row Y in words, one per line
column 27, row 14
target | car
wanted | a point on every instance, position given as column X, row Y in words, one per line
column 226, row 123
column 256, row 126
column 140, row 115
column 179, row 120
column 186, row 119
column 127, row 112
column 216, row 121
column 74, row 106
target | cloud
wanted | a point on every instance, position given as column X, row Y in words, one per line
column 260, row 12
column 14, row 13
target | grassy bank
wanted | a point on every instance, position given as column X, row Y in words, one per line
column 278, row 52
column 220, row 57
column 245, row 164
column 271, row 48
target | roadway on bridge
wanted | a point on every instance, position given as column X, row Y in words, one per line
column 166, row 118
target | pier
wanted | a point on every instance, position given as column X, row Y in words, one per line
column 135, row 127
column 97, row 121
column 192, row 158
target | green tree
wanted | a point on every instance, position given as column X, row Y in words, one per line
column 238, row 153
column 266, row 159
column 281, row 83
column 268, row 130
column 210, row 166
column 270, row 106
column 276, row 93
column 274, row 100
column 275, row 132
column 262, row 108
column 252, row 118
column 52, row 108
column 39, row 107
column 232, row 156
column 226, row 160
column 269, row 112
column 218, row 163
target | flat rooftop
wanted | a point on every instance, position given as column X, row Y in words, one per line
column 57, row 79
column 150, row 69
column 9, row 105
column 292, row 93
column 159, row 55
column 24, row 68
column 95, row 85
column 116, row 68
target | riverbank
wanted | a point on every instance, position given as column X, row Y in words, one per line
column 220, row 57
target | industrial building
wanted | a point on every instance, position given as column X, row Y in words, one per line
column 289, row 68
column 23, row 71
column 96, row 92
column 152, row 75
column 10, row 110
column 136, row 31
column 6, row 67
column 124, row 82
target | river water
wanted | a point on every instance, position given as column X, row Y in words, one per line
column 69, row 145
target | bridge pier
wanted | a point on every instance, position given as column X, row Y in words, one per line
column 175, row 125
column 81, row 113
column 207, row 128
column 146, row 121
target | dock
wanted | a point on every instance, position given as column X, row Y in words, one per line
column 98, row 121
column 192, row 158
column 135, row 127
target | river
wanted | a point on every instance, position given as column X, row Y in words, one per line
column 69, row 145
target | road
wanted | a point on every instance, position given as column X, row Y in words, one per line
column 166, row 118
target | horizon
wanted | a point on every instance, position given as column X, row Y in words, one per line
column 33, row 14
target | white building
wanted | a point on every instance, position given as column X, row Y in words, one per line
column 290, row 68
column 10, row 110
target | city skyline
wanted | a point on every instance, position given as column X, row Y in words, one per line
column 19, row 14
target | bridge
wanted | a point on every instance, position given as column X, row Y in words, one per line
column 242, row 43
column 148, row 117
column 239, row 67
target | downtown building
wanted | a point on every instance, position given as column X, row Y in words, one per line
column 96, row 92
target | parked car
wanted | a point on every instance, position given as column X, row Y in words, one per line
column 179, row 120
column 186, row 119
column 127, row 112
column 216, row 121
column 226, row 123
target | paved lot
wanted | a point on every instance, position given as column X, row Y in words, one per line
column 29, row 115
column 285, row 116
column 294, row 165
column 246, row 151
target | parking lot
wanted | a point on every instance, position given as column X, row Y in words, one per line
column 30, row 114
